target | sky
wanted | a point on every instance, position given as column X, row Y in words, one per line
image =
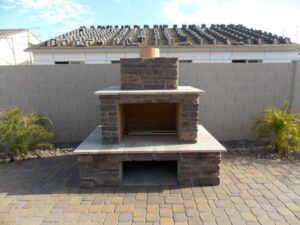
column 49, row 18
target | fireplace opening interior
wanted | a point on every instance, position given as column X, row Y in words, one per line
column 148, row 119
column 149, row 173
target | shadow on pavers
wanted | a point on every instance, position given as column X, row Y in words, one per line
column 55, row 175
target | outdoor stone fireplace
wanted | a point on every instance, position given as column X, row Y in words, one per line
column 149, row 118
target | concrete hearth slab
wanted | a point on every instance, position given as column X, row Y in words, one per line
column 206, row 143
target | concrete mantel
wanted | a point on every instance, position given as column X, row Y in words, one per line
column 116, row 90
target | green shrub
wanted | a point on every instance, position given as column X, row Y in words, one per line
column 20, row 132
column 282, row 127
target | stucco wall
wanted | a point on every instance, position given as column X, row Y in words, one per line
column 235, row 93
column 12, row 48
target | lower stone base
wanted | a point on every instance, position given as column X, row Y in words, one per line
column 106, row 169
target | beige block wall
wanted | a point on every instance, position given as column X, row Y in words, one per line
column 62, row 92
column 235, row 94
column 296, row 88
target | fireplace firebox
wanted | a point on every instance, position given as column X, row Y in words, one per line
column 149, row 118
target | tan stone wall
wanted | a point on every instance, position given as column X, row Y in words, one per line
column 235, row 93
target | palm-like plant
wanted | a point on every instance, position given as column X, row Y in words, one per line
column 20, row 133
column 281, row 126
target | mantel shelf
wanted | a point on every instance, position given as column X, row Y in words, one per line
column 116, row 90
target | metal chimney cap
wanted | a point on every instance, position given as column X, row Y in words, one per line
column 149, row 52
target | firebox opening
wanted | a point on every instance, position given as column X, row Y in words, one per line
column 149, row 173
column 149, row 119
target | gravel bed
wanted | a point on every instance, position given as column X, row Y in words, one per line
column 260, row 150
column 58, row 150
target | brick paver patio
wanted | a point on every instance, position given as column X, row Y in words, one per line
column 253, row 191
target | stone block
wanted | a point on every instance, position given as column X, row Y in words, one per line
column 85, row 159
column 149, row 73
column 192, row 168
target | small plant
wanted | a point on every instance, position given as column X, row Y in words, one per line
column 21, row 133
column 282, row 127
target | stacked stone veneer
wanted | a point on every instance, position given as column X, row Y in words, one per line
column 192, row 168
column 145, row 74
column 149, row 73
column 188, row 114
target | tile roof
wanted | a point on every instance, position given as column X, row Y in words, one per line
column 9, row 32
column 162, row 35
